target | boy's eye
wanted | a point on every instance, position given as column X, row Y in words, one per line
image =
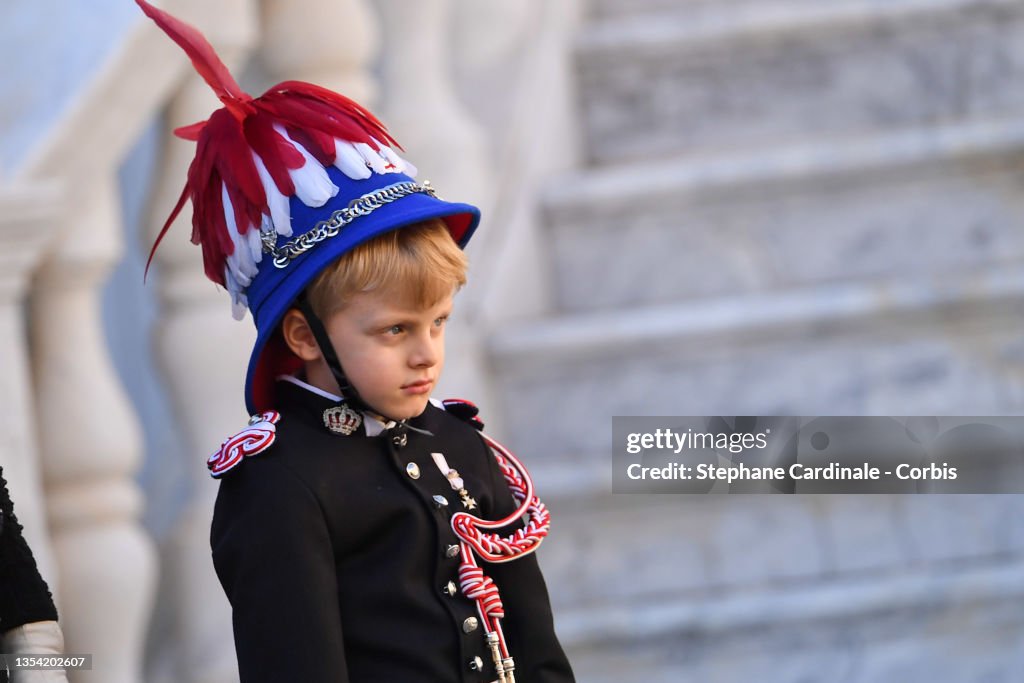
column 395, row 329
column 440, row 321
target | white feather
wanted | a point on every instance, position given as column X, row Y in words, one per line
column 239, row 276
column 313, row 186
column 370, row 155
column 239, row 301
column 241, row 261
column 400, row 164
column 349, row 161
column 252, row 238
column 280, row 212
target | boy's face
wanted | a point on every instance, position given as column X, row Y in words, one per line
column 392, row 353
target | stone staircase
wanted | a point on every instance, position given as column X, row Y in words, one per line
column 789, row 207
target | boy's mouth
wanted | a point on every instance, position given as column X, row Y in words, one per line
column 418, row 387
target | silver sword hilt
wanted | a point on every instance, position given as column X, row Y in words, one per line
column 499, row 665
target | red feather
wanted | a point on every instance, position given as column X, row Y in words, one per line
column 312, row 116
column 190, row 132
column 204, row 59
column 309, row 113
column 349, row 108
column 236, row 166
column 163, row 231
column 216, row 243
column 277, row 153
column 320, row 145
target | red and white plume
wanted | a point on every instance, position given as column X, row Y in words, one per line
column 253, row 154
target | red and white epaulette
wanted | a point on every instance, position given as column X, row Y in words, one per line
column 253, row 440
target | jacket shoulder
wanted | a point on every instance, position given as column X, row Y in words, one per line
column 257, row 437
column 463, row 410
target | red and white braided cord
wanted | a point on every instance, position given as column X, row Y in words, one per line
column 494, row 548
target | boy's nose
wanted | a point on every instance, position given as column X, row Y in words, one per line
column 425, row 354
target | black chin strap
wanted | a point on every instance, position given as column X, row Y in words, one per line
column 348, row 392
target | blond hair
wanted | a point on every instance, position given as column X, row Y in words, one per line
column 417, row 264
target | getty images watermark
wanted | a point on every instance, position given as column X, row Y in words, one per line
column 817, row 454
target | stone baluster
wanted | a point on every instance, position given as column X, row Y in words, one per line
column 492, row 47
column 514, row 68
column 422, row 109
column 90, row 443
column 27, row 223
column 420, row 104
column 201, row 352
column 327, row 42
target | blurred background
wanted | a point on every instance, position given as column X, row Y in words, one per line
column 691, row 207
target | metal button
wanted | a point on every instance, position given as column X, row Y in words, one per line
column 413, row 470
column 399, row 437
column 476, row 664
column 440, row 502
column 451, row 551
column 470, row 624
column 450, row 589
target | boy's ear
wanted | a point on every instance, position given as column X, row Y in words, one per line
column 298, row 336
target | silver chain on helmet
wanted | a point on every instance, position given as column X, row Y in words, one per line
column 360, row 206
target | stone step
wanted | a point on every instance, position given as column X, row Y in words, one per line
column 652, row 88
column 694, row 11
column 940, row 198
column 927, row 345
column 635, row 548
column 962, row 625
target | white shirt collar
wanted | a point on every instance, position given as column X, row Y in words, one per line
column 308, row 387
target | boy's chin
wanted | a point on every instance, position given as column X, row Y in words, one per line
column 409, row 409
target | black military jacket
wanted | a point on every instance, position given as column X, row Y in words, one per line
column 337, row 561
column 24, row 596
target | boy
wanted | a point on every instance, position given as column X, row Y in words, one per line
column 353, row 510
